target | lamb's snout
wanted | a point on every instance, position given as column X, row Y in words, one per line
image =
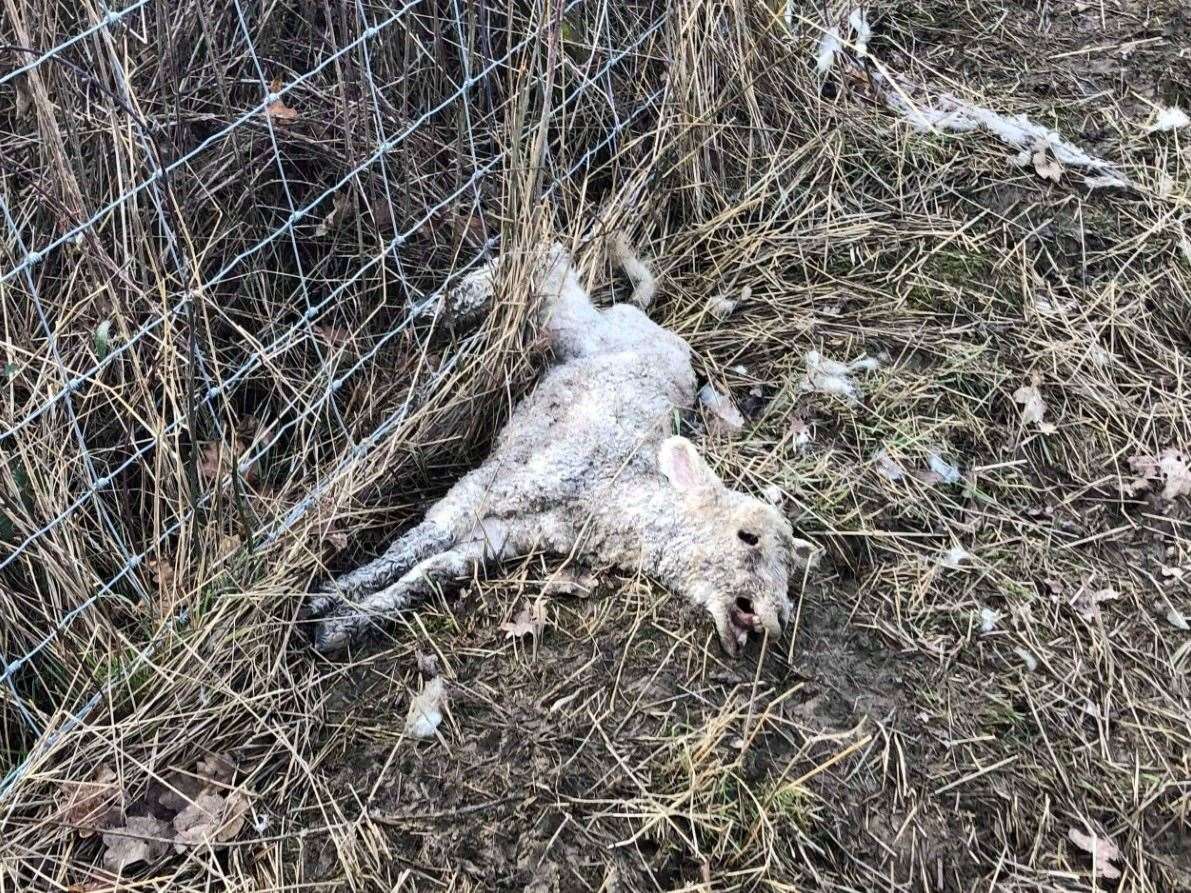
column 750, row 616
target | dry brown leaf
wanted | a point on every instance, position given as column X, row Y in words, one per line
column 277, row 110
column 425, row 709
column 1169, row 466
column 226, row 544
column 1087, row 604
column 181, row 789
column 93, row 805
column 571, row 581
column 469, row 226
column 377, row 204
column 1045, row 166
column 530, row 622
column 210, row 466
column 208, row 463
column 217, row 768
column 334, row 216
column 24, row 100
column 212, row 818
column 141, row 839
column 336, row 539
column 1102, row 850
column 163, row 572
column 336, row 336
column 427, row 663
column 110, row 885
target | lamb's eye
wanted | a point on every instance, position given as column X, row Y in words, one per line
column 749, row 539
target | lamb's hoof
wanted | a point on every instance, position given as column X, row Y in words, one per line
column 320, row 605
column 334, row 634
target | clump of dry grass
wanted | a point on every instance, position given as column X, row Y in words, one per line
column 925, row 725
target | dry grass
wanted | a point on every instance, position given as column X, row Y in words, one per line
column 891, row 742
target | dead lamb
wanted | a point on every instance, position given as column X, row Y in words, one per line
column 591, row 472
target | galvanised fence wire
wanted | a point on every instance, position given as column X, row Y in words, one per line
column 225, row 232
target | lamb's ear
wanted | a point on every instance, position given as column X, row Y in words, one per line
column 682, row 465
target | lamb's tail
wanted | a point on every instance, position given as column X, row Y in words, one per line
column 645, row 284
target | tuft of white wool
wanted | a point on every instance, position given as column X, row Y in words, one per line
column 887, row 466
column 829, row 45
column 955, row 558
column 645, row 285
column 1173, row 118
column 861, row 32
column 826, row 376
column 947, row 112
column 1110, row 181
column 723, row 414
column 425, row 709
column 947, row 472
column 721, row 306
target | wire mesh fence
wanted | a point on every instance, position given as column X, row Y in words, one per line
column 225, row 234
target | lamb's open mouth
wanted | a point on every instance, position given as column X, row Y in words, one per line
column 744, row 620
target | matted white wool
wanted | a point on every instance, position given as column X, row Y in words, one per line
column 925, row 108
column 947, row 112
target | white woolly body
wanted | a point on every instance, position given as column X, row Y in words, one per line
column 586, row 466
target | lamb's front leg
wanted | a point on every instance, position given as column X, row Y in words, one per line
column 352, row 621
column 423, row 541
column 493, row 539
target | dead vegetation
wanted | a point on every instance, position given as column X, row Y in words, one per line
column 987, row 682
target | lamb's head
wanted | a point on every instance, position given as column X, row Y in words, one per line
column 733, row 554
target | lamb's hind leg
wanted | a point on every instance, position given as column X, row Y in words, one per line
column 576, row 328
column 423, row 541
column 467, row 301
column 645, row 284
